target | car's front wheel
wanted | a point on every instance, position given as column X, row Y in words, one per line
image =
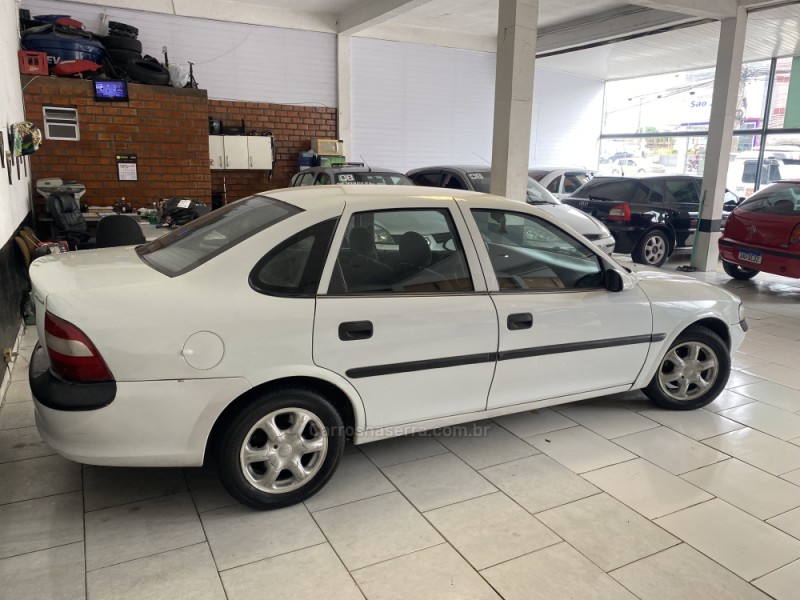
column 281, row 449
column 738, row 272
column 693, row 372
column 652, row 249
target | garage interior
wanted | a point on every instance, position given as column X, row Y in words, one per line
column 604, row 498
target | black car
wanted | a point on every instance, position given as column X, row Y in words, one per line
column 649, row 217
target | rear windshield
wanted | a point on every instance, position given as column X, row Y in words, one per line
column 196, row 242
column 777, row 199
column 535, row 194
column 618, row 190
column 373, row 178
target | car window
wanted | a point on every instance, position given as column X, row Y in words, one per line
column 372, row 178
column 572, row 181
column 401, row 252
column 323, row 179
column 201, row 240
column 294, row 267
column 537, row 175
column 552, row 187
column 617, row 190
column 306, row 179
column 531, row 254
column 682, row 190
column 431, row 178
column 454, row 182
column 534, row 193
column 778, row 199
column 656, row 191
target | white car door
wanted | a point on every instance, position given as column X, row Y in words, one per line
column 561, row 331
column 403, row 312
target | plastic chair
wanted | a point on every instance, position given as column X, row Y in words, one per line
column 118, row 230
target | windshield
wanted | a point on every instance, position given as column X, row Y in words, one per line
column 373, row 178
column 201, row 240
column 535, row 194
column 777, row 199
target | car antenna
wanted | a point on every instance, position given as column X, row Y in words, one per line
column 483, row 159
column 361, row 156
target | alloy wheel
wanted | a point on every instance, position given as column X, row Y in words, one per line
column 655, row 248
column 688, row 370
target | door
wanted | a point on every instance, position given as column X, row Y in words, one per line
column 682, row 203
column 236, row 153
column 216, row 152
column 560, row 331
column 405, row 316
column 259, row 149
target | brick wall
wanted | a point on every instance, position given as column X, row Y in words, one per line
column 167, row 128
column 293, row 126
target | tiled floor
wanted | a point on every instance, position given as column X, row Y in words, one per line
column 594, row 500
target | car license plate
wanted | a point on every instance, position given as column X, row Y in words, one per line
column 752, row 257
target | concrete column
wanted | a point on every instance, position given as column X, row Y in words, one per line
column 343, row 93
column 720, row 138
column 513, row 96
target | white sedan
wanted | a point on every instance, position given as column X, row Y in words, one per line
column 268, row 332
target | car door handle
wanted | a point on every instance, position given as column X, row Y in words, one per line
column 355, row 330
column 519, row 321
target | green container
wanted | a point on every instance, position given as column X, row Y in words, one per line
column 330, row 161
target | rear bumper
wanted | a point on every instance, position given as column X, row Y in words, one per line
column 58, row 394
column 148, row 424
column 777, row 262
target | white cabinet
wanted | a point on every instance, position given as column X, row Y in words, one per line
column 240, row 152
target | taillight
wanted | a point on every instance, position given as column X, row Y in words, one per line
column 72, row 354
column 795, row 237
column 620, row 212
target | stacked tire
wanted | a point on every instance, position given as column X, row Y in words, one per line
column 125, row 52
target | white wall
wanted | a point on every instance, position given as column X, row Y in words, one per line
column 231, row 60
column 416, row 105
column 567, row 116
column 14, row 198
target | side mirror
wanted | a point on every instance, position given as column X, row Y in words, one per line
column 617, row 281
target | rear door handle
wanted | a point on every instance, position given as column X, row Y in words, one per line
column 519, row 321
column 355, row 330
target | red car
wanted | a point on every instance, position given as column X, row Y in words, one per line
column 763, row 233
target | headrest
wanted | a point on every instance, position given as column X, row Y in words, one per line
column 362, row 241
column 414, row 249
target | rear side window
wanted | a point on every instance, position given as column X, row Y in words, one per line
column 572, row 181
column 294, row 267
column 682, row 191
column 778, row 199
column 619, row 190
column 428, row 178
column 199, row 241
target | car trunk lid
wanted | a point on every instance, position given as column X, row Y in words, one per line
column 771, row 230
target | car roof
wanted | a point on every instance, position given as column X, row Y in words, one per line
column 308, row 197
column 351, row 169
column 550, row 169
column 462, row 168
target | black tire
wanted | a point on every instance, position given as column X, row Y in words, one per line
column 122, row 42
column 145, row 71
column 242, row 431
column 652, row 250
column 120, row 57
column 122, row 30
column 738, row 272
column 640, row 171
column 668, row 394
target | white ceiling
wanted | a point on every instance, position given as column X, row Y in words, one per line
column 774, row 32
column 472, row 24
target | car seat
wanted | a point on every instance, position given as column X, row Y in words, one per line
column 784, row 206
column 363, row 271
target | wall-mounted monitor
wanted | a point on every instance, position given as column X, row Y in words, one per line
column 108, row 90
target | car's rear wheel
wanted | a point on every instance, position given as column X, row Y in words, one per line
column 693, row 372
column 281, row 449
column 738, row 272
column 652, row 249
